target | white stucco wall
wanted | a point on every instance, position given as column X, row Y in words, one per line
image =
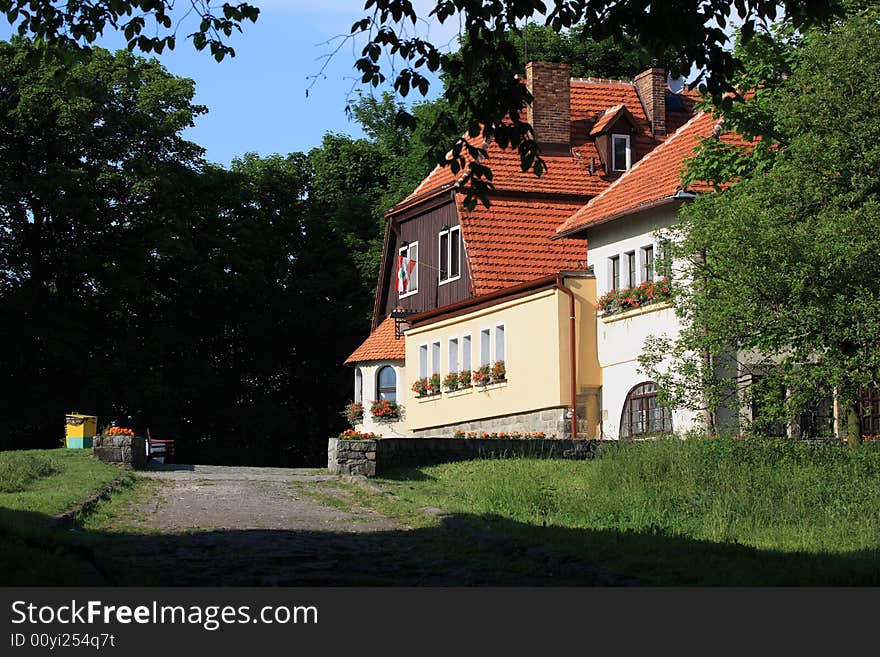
column 621, row 339
column 370, row 371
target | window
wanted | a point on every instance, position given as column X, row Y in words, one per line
column 648, row 263
column 466, row 352
column 423, row 361
column 499, row 342
column 642, row 414
column 484, row 347
column 453, row 355
column 450, row 254
column 408, row 270
column 664, row 268
column 614, row 273
column 631, row 269
column 620, row 153
column 358, row 385
column 435, row 358
column 386, row 381
column 817, row 421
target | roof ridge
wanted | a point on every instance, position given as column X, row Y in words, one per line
column 592, row 80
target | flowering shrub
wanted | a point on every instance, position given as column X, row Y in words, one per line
column 119, row 431
column 645, row 294
column 353, row 412
column 499, row 373
column 482, row 376
column 351, row 434
column 385, row 409
column 464, row 379
column 450, row 381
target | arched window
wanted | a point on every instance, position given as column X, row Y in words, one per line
column 358, row 385
column 386, row 383
column 642, row 415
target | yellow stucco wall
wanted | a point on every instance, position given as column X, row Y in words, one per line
column 536, row 359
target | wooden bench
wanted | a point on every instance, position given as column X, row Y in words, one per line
column 159, row 449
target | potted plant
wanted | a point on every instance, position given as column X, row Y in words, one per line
column 420, row 386
column 499, row 373
column 450, row 381
column 434, row 384
column 482, row 376
column 385, row 409
column 464, row 379
column 351, row 434
column 354, row 413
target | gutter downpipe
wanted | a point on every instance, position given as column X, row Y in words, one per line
column 560, row 285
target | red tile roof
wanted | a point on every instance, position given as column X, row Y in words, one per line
column 381, row 345
column 655, row 177
column 591, row 101
column 508, row 243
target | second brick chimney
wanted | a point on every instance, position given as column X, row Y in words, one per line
column 651, row 87
column 550, row 111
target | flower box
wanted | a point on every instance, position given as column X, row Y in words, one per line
column 647, row 293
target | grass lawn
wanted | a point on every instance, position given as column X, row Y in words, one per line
column 35, row 486
column 719, row 512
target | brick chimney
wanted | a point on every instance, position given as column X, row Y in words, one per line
column 651, row 87
column 550, row 111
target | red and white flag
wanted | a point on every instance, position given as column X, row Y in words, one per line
column 405, row 268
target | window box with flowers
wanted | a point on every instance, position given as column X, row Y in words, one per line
column 427, row 386
column 646, row 294
column 351, row 434
column 385, row 410
column 354, row 413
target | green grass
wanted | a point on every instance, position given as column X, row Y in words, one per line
column 36, row 486
column 700, row 511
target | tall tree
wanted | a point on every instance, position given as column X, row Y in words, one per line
column 788, row 276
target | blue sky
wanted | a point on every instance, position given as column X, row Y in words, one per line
column 257, row 100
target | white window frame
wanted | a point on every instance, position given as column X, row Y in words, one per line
column 453, row 354
column 405, row 251
column 612, row 260
column 436, row 348
column 423, row 371
column 643, row 254
column 632, row 269
column 503, row 327
column 614, row 162
column 469, row 350
column 447, row 257
column 487, row 331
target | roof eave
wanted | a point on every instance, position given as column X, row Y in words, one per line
column 665, row 200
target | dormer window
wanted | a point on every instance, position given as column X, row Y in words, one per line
column 621, row 158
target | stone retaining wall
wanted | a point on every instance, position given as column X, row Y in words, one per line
column 371, row 457
column 553, row 422
column 121, row 449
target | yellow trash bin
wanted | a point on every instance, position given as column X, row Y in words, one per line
column 80, row 430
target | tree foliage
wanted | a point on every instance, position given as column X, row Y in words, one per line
column 214, row 306
column 788, row 286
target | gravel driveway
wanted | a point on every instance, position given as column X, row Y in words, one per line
column 240, row 526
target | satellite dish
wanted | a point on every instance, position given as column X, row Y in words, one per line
column 675, row 84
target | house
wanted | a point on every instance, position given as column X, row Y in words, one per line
column 500, row 287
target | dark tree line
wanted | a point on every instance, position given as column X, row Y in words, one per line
column 144, row 285
column 215, row 306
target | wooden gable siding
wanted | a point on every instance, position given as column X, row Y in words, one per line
column 425, row 229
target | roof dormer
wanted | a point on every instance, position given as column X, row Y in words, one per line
column 613, row 134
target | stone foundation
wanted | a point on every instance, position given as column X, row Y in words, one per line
column 553, row 422
column 121, row 449
column 371, row 457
